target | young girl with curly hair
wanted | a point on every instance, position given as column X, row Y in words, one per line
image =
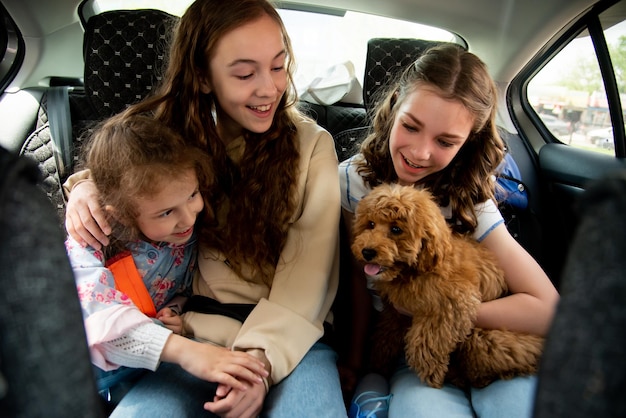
column 435, row 128
column 268, row 263
column 132, row 291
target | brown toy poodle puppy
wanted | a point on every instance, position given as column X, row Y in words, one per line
column 441, row 278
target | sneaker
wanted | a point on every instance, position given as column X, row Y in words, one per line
column 371, row 398
column 370, row 405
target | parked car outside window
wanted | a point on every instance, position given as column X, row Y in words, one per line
column 570, row 90
column 554, row 124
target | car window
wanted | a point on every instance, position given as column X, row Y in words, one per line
column 349, row 32
column 310, row 32
column 570, row 95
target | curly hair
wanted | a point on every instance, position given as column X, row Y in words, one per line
column 454, row 74
column 255, row 197
column 132, row 156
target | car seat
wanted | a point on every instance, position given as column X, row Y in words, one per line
column 44, row 361
column 582, row 370
column 385, row 58
column 124, row 52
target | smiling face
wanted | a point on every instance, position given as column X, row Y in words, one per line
column 427, row 133
column 248, row 77
column 170, row 214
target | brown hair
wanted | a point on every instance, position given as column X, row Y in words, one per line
column 258, row 194
column 454, row 74
column 132, row 156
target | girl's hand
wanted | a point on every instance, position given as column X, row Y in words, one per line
column 234, row 369
column 171, row 320
column 235, row 403
column 85, row 219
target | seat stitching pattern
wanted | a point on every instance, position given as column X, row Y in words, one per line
column 385, row 58
column 40, row 147
column 124, row 56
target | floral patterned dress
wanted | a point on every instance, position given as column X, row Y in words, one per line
column 110, row 315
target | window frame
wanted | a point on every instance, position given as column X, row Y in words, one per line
column 526, row 119
column 13, row 49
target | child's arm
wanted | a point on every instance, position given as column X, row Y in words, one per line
column 214, row 364
column 533, row 299
column 112, row 321
column 85, row 219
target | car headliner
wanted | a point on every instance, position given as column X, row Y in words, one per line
column 504, row 33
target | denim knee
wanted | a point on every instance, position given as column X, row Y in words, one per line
column 311, row 390
column 513, row 398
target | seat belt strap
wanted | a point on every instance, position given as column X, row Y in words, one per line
column 61, row 128
column 129, row 281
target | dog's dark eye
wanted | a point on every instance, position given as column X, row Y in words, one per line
column 396, row 230
column 370, row 225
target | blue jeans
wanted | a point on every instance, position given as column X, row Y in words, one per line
column 311, row 390
column 503, row 398
column 114, row 384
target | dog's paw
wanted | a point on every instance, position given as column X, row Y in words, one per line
column 433, row 379
column 429, row 360
column 432, row 372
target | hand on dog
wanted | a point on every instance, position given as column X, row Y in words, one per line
column 433, row 282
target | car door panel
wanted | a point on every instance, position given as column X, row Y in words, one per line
column 566, row 172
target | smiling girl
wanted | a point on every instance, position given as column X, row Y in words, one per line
column 132, row 292
column 435, row 128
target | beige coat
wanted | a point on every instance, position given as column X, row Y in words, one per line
column 289, row 316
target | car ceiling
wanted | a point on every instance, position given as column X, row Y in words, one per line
column 522, row 26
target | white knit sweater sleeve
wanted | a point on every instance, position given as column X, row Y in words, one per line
column 141, row 347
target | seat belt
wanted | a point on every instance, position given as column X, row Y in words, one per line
column 60, row 123
column 129, row 281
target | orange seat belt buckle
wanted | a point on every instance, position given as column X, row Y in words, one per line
column 129, row 282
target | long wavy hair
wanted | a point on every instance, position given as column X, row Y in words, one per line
column 256, row 196
column 133, row 156
column 454, row 74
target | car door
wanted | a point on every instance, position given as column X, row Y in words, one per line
column 578, row 78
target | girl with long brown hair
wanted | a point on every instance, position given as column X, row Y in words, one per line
column 435, row 128
column 132, row 291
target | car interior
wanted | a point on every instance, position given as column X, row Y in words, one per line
column 124, row 50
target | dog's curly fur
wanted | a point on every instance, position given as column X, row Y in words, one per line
column 441, row 278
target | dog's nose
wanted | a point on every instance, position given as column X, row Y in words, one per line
column 368, row 253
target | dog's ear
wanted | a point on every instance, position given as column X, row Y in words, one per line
column 361, row 219
column 433, row 231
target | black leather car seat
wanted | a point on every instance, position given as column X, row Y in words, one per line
column 124, row 52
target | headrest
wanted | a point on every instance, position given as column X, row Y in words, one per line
column 124, row 54
column 385, row 58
